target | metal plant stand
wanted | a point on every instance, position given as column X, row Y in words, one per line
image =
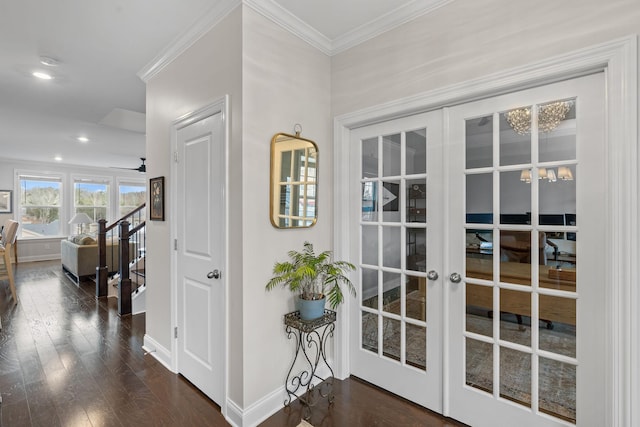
column 311, row 340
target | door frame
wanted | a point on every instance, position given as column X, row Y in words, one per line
column 220, row 105
column 619, row 60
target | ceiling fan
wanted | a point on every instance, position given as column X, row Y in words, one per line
column 142, row 168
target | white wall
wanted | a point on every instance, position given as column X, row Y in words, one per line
column 208, row 70
column 467, row 39
column 285, row 81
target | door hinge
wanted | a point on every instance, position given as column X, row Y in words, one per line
column 175, row 156
column 175, row 332
column 175, row 244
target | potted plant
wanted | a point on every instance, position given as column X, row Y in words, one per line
column 315, row 278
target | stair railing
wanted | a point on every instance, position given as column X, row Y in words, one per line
column 124, row 255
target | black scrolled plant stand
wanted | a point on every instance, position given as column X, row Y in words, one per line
column 311, row 340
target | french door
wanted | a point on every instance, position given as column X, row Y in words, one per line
column 398, row 200
column 481, row 292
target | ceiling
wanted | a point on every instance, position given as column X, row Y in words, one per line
column 101, row 47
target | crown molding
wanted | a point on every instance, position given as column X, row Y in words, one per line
column 185, row 40
column 285, row 19
column 387, row 22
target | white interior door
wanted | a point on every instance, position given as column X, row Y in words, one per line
column 200, row 253
column 527, row 321
column 513, row 208
column 397, row 207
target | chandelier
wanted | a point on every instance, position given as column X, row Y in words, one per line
column 564, row 173
column 549, row 117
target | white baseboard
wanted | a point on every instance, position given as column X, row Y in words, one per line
column 158, row 352
column 258, row 411
column 233, row 415
column 263, row 408
column 34, row 258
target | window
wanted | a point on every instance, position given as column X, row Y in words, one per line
column 91, row 197
column 132, row 195
column 40, row 203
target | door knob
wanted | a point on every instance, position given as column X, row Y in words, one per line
column 215, row 274
column 455, row 278
column 432, row 275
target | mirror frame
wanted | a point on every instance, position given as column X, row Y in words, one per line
column 274, row 187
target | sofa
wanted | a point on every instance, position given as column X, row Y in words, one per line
column 79, row 256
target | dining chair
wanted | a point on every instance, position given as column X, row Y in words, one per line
column 9, row 234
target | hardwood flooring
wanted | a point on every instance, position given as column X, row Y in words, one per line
column 67, row 359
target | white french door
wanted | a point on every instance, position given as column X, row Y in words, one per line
column 506, row 209
column 397, row 201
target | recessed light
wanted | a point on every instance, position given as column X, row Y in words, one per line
column 49, row 61
column 41, row 75
column 83, row 139
column 58, row 158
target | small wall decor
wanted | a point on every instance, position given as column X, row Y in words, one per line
column 6, row 201
column 156, row 186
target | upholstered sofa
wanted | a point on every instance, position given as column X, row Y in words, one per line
column 79, row 256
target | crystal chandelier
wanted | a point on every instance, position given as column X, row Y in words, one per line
column 549, row 117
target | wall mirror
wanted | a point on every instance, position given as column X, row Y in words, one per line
column 294, row 181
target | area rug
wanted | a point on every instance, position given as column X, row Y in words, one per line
column 557, row 381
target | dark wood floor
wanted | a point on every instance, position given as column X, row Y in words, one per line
column 69, row 360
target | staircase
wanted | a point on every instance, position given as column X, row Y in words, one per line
column 130, row 280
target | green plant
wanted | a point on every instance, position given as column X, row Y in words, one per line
column 313, row 276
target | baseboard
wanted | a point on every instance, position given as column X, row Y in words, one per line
column 34, row 258
column 258, row 411
column 233, row 414
column 161, row 354
column 262, row 409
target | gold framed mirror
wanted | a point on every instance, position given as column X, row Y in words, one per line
column 294, row 181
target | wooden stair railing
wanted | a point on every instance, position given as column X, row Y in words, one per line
column 124, row 257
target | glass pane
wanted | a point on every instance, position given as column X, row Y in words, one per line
column 416, row 297
column 557, row 131
column 515, row 137
column 479, row 142
column 370, row 331
column 370, row 158
column 416, row 352
column 479, row 250
column 515, row 316
column 285, row 169
column 416, row 249
column 479, row 364
column 391, row 155
column 557, row 389
column 416, row 160
column 417, row 200
column 515, row 199
column 557, row 194
column 369, row 201
column 479, row 243
column 370, row 245
column 370, row 288
column 392, row 293
column 558, row 325
column 479, row 198
column 391, row 247
column 479, row 300
column 515, row 257
column 391, row 201
column 515, row 376
column 561, row 258
column 391, row 335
